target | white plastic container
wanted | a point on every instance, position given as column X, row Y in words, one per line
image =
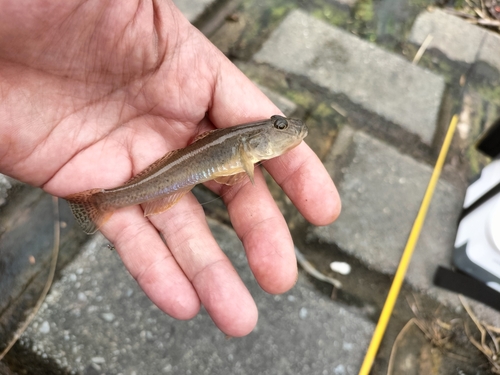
column 477, row 245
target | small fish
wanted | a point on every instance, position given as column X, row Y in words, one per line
column 224, row 155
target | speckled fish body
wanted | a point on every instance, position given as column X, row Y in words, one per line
column 224, row 155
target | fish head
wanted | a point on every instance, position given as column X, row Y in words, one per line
column 280, row 135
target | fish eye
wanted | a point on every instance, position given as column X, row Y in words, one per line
column 280, row 122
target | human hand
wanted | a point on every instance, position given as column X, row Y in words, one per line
column 93, row 92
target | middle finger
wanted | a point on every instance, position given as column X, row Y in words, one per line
column 218, row 285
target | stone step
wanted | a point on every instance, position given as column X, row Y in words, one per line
column 26, row 243
column 285, row 105
column 379, row 81
column 91, row 325
column 5, row 185
column 457, row 39
column 381, row 191
column 193, row 9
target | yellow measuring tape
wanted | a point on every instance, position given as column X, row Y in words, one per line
column 386, row 313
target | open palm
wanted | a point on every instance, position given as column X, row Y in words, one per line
column 92, row 92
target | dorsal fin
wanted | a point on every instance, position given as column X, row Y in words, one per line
column 203, row 135
column 152, row 168
column 161, row 161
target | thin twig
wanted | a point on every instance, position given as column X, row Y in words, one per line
column 490, row 351
column 309, row 268
column 480, row 15
column 488, row 22
column 422, row 49
column 475, row 9
column 483, row 7
column 492, row 328
column 433, row 330
column 474, row 319
column 48, row 283
column 493, row 339
column 473, row 340
column 458, row 13
column 399, row 337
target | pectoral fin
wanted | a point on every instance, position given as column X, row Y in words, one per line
column 162, row 204
column 231, row 180
column 247, row 163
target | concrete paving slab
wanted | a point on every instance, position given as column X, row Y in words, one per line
column 26, row 243
column 379, row 81
column 489, row 52
column 4, row 188
column 347, row 3
column 381, row 191
column 4, row 370
column 97, row 320
column 285, row 105
column 193, row 9
column 456, row 38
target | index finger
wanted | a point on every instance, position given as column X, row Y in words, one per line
column 299, row 172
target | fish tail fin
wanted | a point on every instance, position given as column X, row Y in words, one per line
column 87, row 212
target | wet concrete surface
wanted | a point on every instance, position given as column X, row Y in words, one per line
column 344, row 64
column 121, row 331
column 26, row 244
column 87, row 330
column 376, row 181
